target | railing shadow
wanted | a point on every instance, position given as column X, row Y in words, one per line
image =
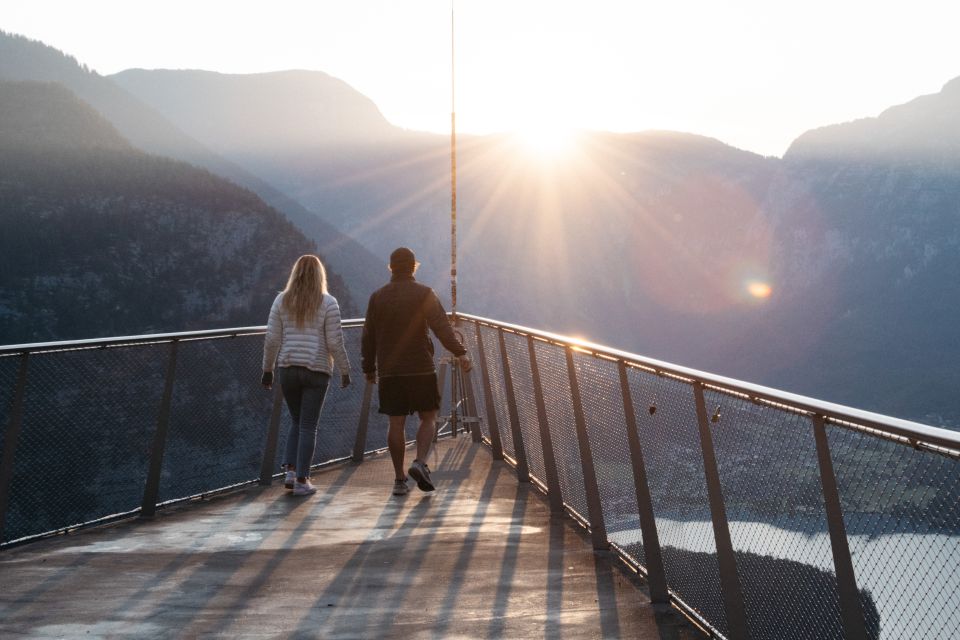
column 362, row 568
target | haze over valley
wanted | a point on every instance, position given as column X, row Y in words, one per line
column 164, row 200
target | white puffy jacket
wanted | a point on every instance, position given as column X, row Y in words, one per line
column 316, row 346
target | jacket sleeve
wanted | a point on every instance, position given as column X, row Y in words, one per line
column 368, row 341
column 271, row 342
column 333, row 335
column 438, row 323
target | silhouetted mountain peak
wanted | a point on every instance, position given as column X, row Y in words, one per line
column 251, row 113
column 923, row 130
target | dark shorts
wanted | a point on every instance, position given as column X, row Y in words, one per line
column 403, row 395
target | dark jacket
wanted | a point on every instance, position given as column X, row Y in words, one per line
column 395, row 338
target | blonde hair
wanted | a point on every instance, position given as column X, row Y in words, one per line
column 305, row 289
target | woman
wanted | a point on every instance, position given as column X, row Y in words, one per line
column 304, row 339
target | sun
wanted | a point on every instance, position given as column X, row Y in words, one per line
column 546, row 140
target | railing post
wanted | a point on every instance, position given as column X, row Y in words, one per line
column 360, row 445
column 523, row 472
column 851, row 610
column 454, row 395
column 729, row 578
column 441, row 384
column 598, row 530
column 488, row 399
column 549, row 460
column 471, row 404
column 656, row 576
column 10, row 440
column 152, row 488
column 273, row 432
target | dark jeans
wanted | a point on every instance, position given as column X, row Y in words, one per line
column 304, row 391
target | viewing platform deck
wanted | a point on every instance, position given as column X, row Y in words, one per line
column 481, row 557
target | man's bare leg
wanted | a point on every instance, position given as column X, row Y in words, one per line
column 425, row 434
column 397, row 443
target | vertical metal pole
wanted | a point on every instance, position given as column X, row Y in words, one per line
column 656, row 576
column 598, row 530
column 152, row 488
column 11, row 438
column 488, row 399
column 360, row 445
column 729, row 578
column 523, row 472
column 549, row 461
column 453, row 173
column 273, row 431
column 851, row 610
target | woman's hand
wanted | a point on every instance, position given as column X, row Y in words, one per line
column 267, row 379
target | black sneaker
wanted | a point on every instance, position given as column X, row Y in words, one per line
column 419, row 472
column 400, row 488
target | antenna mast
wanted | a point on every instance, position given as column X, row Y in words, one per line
column 453, row 176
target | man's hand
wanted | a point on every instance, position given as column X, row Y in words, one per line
column 267, row 379
column 371, row 377
column 465, row 362
column 345, row 381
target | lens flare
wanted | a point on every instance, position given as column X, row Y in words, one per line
column 759, row 290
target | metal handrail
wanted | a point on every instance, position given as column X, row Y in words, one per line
column 914, row 432
column 152, row 338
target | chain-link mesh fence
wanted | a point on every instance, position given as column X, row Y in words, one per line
column 522, row 376
column 491, row 349
column 901, row 510
column 668, row 432
column 767, row 461
column 90, row 416
column 599, row 382
column 87, row 426
column 476, row 377
column 901, row 505
column 552, row 361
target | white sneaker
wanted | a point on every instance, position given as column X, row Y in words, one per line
column 290, row 478
column 303, row 488
column 421, row 473
column 400, row 488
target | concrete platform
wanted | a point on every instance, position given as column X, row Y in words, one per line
column 479, row 558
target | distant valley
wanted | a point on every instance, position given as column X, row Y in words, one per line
column 648, row 242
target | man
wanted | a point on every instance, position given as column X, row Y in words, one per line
column 396, row 345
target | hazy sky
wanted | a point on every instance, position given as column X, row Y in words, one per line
column 753, row 73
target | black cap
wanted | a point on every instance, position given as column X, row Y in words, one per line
column 402, row 259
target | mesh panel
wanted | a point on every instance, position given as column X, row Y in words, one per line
column 88, row 421
column 90, row 417
column 491, row 347
column 519, row 355
column 607, row 429
column 219, row 414
column 770, row 479
column 337, row 432
column 902, row 513
column 552, row 361
column 470, row 342
column 667, row 426
column 9, row 368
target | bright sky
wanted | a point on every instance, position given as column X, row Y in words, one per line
column 753, row 73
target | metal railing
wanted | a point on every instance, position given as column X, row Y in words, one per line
column 761, row 514
column 102, row 429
